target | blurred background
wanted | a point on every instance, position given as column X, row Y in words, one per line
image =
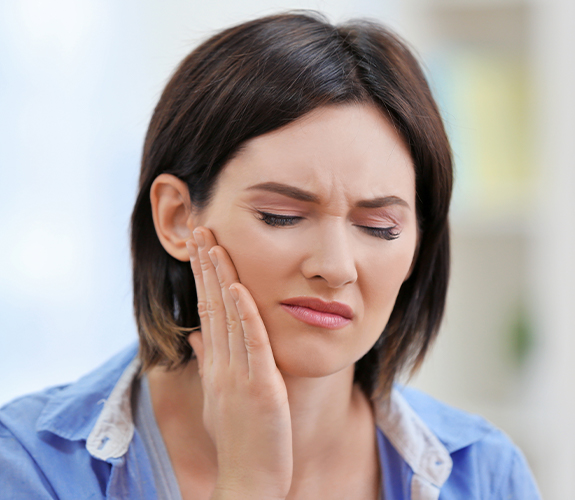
column 78, row 83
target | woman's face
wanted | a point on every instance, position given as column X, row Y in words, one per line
column 321, row 208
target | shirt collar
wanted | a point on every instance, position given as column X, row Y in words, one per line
column 112, row 434
column 416, row 444
column 456, row 429
column 97, row 408
column 73, row 411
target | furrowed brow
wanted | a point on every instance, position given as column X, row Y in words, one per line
column 286, row 190
column 381, row 202
column 303, row 195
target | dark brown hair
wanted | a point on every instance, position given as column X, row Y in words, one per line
column 257, row 77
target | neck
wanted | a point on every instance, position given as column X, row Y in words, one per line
column 323, row 410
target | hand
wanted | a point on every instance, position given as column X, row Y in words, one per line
column 246, row 409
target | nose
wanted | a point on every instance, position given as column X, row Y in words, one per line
column 330, row 256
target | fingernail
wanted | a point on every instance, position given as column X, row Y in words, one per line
column 234, row 293
column 213, row 257
column 199, row 238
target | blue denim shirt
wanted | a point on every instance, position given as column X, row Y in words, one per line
column 78, row 441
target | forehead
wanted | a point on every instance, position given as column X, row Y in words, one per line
column 349, row 150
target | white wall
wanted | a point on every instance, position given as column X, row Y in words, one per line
column 523, row 251
column 552, row 400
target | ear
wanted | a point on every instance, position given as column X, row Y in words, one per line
column 172, row 214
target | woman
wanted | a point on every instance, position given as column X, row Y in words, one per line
column 290, row 259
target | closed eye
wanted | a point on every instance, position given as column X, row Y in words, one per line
column 278, row 220
column 386, row 233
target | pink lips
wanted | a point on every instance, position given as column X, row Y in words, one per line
column 316, row 312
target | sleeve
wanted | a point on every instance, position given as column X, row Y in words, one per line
column 20, row 476
column 518, row 483
column 491, row 468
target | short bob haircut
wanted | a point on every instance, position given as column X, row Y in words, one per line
column 257, row 77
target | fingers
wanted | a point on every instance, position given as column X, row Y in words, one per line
column 195, row 340
column 228, row 275
column 214, row 304
column 233, row 333
column 202, row 309
column 261, row 362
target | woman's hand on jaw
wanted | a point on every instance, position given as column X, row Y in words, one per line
column 246, row 409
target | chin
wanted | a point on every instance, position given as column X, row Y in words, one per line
column 312, row 358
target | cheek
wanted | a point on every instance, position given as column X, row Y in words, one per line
column 263, row 259
column 383, row 279
column 267, row 261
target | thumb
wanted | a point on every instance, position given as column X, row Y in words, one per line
column 195, row 340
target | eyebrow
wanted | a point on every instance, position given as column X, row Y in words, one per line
column 303, row 195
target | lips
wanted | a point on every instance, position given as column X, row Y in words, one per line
column 317, row 312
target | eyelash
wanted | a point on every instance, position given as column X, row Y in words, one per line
column 275, row 220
